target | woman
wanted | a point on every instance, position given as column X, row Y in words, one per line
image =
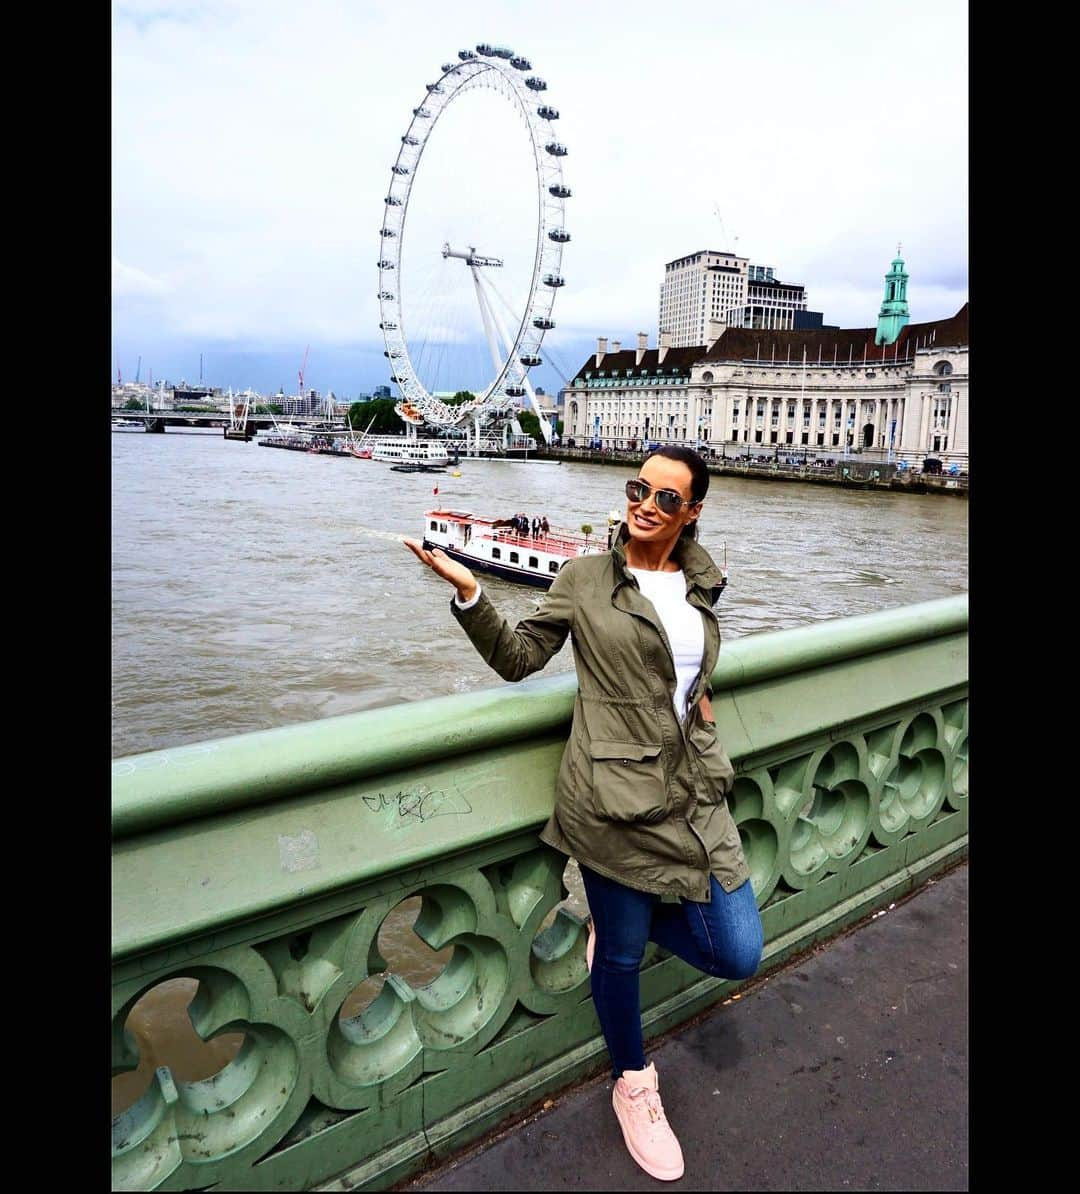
column 640, row 798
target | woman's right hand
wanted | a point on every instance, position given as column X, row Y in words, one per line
column 450, row 570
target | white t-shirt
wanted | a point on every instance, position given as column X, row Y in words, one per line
column 682, row 624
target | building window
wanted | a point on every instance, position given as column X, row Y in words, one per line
column 943, row 369
column 835, row 440
column 805, row 437
column 757, row 437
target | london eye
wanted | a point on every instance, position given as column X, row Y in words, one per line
column 509, row 320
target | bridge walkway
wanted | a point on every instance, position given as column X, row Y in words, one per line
column 845, row 1069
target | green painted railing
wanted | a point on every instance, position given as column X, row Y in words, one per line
column 262, row 866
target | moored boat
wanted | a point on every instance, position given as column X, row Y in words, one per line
column 411, row 451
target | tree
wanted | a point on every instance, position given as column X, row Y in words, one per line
column 134, row 404
column 460, row 397
column 530, row 424
column 381, row 410
column 586, row 530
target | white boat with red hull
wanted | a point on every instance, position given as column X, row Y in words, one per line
column 496, row 546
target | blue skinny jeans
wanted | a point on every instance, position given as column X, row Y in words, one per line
column 724, row 938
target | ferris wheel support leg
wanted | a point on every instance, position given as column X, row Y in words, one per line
column 486, row 314
column 545, row 427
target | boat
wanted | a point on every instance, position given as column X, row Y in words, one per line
column 360, row 448
column 413, row 466
column 411, row 451
column 128, row 425
column 496, row 546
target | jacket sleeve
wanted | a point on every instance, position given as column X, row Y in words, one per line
column 529, row 646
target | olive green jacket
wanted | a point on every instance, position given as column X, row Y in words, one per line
column 639, row 796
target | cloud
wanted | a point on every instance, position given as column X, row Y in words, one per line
column 252, row 144
column 129, row 282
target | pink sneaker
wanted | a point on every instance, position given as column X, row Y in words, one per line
column 645, row 1129
column 590, row 945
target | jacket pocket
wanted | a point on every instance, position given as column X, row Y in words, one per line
column 628, row 781
column 713, row 760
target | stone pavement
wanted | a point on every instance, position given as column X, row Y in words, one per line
column 844, row 1070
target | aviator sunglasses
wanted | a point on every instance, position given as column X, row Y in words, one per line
column 667, row 500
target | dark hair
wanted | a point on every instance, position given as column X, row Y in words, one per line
column 699, row 477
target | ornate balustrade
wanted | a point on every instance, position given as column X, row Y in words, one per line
column 262, row 867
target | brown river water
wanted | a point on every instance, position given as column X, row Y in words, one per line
column 254, row 587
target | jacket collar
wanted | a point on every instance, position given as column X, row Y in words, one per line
column 691, row 557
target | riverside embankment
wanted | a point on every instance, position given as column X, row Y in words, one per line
column 851, row 472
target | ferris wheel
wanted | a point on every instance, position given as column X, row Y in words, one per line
column 513, row 331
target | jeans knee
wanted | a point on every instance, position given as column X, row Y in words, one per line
column 742, row 963
column 746, row 965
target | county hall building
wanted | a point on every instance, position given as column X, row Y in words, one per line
column 897, row 391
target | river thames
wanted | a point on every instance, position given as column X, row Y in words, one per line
column 254, row 588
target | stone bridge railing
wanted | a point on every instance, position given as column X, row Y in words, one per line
column 261, row 867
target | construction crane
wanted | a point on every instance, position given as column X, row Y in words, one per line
column 723, row 229
column 138, row 369
column 301, row 374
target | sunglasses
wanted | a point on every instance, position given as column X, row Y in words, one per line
column 667, row 500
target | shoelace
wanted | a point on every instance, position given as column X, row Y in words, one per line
column 651, row 1099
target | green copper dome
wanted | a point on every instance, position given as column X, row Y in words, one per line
column 894, row 312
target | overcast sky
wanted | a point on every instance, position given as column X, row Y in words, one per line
column 253, row 139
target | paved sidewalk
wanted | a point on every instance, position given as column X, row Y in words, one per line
column 846, row 1070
